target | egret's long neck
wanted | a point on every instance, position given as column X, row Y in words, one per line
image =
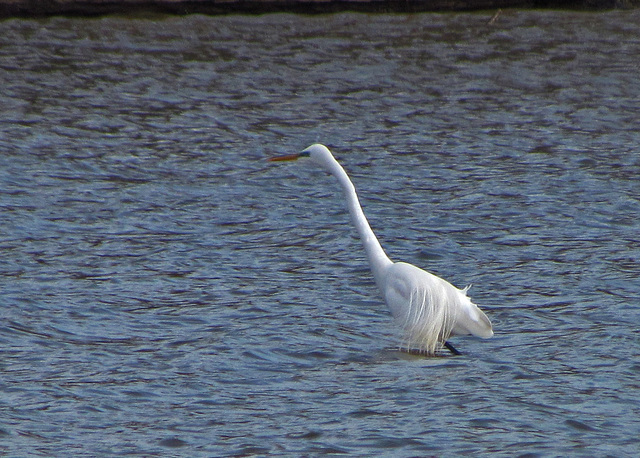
column 378, row 260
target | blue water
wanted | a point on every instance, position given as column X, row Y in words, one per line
column 166, row 291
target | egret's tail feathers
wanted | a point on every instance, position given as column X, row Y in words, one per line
column 473, row 321
column 484, row 328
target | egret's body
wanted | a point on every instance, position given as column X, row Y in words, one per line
column 428, row 308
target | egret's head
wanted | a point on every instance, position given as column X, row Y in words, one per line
column 318, row 152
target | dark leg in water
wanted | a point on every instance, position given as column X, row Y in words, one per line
column 451, row 348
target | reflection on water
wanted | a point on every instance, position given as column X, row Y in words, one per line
column 164, row 288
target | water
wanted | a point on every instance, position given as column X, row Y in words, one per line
column 166, row 291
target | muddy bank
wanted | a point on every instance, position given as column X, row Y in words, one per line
column 97, row 7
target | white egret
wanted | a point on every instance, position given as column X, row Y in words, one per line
column 428, row 308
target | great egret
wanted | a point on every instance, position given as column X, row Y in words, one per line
column 428, row 308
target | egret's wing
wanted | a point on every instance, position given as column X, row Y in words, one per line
column 429, row 308
column 423, row 304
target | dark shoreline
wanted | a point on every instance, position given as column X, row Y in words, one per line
column 40, row 8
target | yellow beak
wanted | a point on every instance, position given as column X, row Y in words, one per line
column 287, row 157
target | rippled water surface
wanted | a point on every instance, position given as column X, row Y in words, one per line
column 166, row 291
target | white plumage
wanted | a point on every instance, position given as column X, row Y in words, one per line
column 428, row 308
